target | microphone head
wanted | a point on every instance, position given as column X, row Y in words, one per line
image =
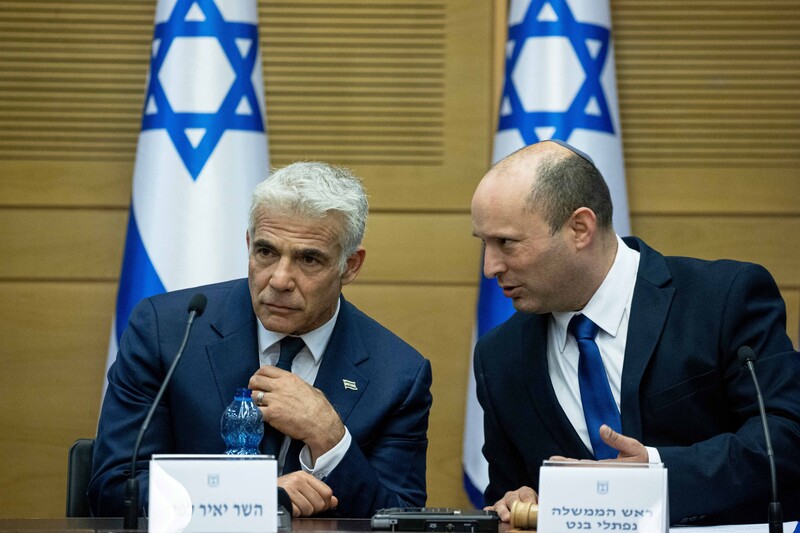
column 197, row 304
column 746, row 354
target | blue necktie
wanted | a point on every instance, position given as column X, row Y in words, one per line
column 290, row 347
column 598, row 402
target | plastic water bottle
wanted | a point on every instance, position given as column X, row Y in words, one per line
column 242, row 425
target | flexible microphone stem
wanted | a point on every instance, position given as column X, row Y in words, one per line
column 775, row 511
column 131, row 505
column 762, row 409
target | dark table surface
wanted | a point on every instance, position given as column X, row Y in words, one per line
column 315, row 525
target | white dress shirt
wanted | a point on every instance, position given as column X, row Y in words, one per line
column 305, row 366
column 609, row 308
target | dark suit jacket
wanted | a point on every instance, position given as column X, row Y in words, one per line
column 387, row 416
column 683, row 390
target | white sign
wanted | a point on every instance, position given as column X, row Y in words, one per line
column 603, row 497
column 205, row 493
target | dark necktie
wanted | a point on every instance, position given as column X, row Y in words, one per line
column 599, row 406
column 290, row 347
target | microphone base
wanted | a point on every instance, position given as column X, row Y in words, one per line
column 775, row 517
column 284, row 520
column 284, row 510
column 131, row 505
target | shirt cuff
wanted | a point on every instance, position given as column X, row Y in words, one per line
column 328, row 460
column 653, row 457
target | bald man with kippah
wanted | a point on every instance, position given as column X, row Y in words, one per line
column 618, row 353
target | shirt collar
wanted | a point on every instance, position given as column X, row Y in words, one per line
column 316, row 340
column 607, row 306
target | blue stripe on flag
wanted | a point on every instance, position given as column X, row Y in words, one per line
column 139, row 278
column 493, row 307
column 474, row 494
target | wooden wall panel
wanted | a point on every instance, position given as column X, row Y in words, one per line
column 73, row 78
column 728, row 190
column 756, row 239
column 421, row 248
column 373, row 86
column 381, row 59
column 365, row 84
column 437, row 321
column 54, row 335
column 792, row 299
column 97, row 184
column 61, row 244
column 708, row 86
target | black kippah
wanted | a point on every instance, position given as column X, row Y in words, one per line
column 572, row 149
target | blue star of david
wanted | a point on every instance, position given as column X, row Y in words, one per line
column 225, row 118
column 575, row 116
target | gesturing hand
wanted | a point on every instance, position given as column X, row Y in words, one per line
column 297, row 409
column 630, row 450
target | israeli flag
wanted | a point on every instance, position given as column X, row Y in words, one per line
column 201, row 152
column 560, row 83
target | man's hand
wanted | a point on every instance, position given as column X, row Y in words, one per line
column 503, row 506
column 309, row 495
column 297, row 409
column 630, row 450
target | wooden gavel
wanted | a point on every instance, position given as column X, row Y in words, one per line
column 524, row 515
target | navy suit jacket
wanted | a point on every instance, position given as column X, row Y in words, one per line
column 387, row 416
column 683, row 390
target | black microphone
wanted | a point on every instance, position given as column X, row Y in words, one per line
column 775, row 513
column 284, row 510
column 131, row 505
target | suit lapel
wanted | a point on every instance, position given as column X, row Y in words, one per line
column 339, row 377
column 234, row 356
column 541, row 394
column 343, row 353
column 652, row 297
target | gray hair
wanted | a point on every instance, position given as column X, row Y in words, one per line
column 313, row 189
column 566, row 183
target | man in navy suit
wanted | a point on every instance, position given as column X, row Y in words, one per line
column 666, row 331
column 353, row 410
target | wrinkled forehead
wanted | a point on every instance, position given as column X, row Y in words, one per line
column 300, row 211
column 330, row 223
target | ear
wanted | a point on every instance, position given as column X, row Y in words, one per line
column 247, row 240
column 583, row 226
column 353, row 265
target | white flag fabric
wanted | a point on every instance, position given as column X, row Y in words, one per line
column 201, row 151
column 560, row 83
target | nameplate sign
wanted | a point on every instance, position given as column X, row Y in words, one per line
column 603, row 497
column 219, row 493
